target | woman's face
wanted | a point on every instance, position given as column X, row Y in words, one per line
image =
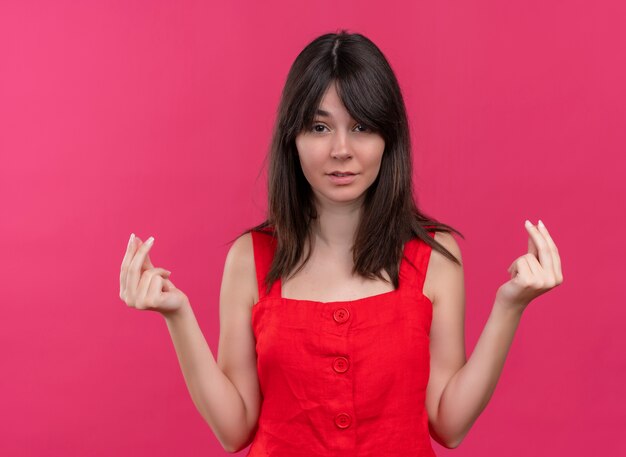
column 337, row 143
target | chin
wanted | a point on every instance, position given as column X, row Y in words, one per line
column 342, row 197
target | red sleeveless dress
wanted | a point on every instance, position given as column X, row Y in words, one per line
column 343, row 378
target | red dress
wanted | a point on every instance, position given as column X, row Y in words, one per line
column 343, row 378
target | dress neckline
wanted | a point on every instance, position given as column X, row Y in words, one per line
column 279, row 284
column 334, row 302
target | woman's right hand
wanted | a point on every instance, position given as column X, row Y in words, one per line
column 145, row 287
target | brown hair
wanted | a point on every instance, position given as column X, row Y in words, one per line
column 370, row 92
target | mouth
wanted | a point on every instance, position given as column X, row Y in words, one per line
column 342, row 178
column 341, row 174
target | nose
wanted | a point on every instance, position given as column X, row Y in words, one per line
column 340, row 148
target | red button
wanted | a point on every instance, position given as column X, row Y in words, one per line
column 341, row 315
column 343, row 420
column 340, row 365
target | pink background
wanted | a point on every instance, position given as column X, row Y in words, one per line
column 154, row 118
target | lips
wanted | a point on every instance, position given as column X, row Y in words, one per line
column 342, row 177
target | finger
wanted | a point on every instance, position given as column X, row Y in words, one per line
column 556, row 259
column 544, row 256
column 134, row 243
column 150, row 281
column 534, row 266
column 532, row 247
column 542, row 279
column 513, row 269
column 128, row 257
column 147, row 264
column 154, row 296
column 134, row 270
column 168, row 285
column 131, row 295
column 142, row 291
column 524, row 274
column 519, row 267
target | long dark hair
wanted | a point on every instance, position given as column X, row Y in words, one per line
column 371, row 94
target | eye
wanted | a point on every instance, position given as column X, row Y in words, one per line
column 319, row 128
column 315, row 128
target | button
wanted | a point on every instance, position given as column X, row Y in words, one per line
column 340, row 364
column 343, row 420
column 341, row 315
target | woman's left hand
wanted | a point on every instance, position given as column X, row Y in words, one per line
column 534, row 273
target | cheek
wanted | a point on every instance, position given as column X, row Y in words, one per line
column 307, row 168
column 305, row 163
column 310, row 157
column 376, row 154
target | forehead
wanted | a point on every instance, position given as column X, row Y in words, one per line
column 331, row 105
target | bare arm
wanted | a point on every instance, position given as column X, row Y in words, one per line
column 226, row 393
column 213, row 394
column 459, row 390
column 468, row 391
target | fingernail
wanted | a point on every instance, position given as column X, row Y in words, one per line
column 150, row 240
column 130, row 240
column 527, row 223
column 541, row 223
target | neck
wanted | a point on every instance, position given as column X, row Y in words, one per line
column 336, row 225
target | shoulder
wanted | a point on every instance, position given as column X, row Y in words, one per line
column 242, row 250
column 239, row 265
column 447, row 240
column 442, row 272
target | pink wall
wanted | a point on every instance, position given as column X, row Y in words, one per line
column 154, row 117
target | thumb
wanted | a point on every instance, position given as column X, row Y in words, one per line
column 532, row 247
column 168, row 285
column 147, row 263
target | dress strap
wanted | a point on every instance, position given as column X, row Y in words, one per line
column 264, row 244
column 417, row 254
column 423, row 257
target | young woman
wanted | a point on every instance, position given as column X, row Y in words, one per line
column 342, row 314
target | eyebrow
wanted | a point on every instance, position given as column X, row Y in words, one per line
column 321, row 112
